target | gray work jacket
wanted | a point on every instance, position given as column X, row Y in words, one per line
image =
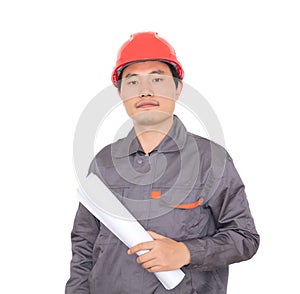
column 186, row 189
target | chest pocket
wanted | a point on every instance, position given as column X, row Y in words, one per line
column 187, row 219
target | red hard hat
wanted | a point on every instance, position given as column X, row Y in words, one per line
column 145, row 46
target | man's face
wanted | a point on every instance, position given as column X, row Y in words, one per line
column 148, row 92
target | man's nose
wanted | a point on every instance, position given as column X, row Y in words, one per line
column 146, row 93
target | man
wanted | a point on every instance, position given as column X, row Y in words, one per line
column 184, row 190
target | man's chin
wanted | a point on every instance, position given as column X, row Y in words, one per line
column 151, row 117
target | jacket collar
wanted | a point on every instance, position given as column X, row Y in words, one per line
column 173, row 141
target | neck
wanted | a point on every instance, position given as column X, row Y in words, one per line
column 150, row 136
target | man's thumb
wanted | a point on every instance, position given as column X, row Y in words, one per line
column 155, row 236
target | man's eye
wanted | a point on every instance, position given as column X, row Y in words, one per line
column 133, row 82
column 157, row 80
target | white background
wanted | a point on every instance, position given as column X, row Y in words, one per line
column 242, row 56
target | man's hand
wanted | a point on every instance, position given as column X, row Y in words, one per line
column 164, row 254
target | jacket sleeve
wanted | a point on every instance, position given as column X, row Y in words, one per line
column 83, row 237
column 236, row 238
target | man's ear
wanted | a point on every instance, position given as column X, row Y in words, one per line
column 178, row 89
column 119, row 93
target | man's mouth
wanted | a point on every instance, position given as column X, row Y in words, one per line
column 147, row 104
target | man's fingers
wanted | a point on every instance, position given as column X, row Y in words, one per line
column 149, row 264
column 140, row 247
column 146, row 257
column 155, row 269
column 145, row 245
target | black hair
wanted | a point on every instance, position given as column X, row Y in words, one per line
column 172, row 68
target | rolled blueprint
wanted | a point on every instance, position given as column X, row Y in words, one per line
column 101, row 202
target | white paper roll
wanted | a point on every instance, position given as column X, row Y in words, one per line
column 101, row 202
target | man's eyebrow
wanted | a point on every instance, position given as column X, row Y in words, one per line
column 130, row 75
column 159, row 71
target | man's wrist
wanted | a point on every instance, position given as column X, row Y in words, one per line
column 186, row 255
